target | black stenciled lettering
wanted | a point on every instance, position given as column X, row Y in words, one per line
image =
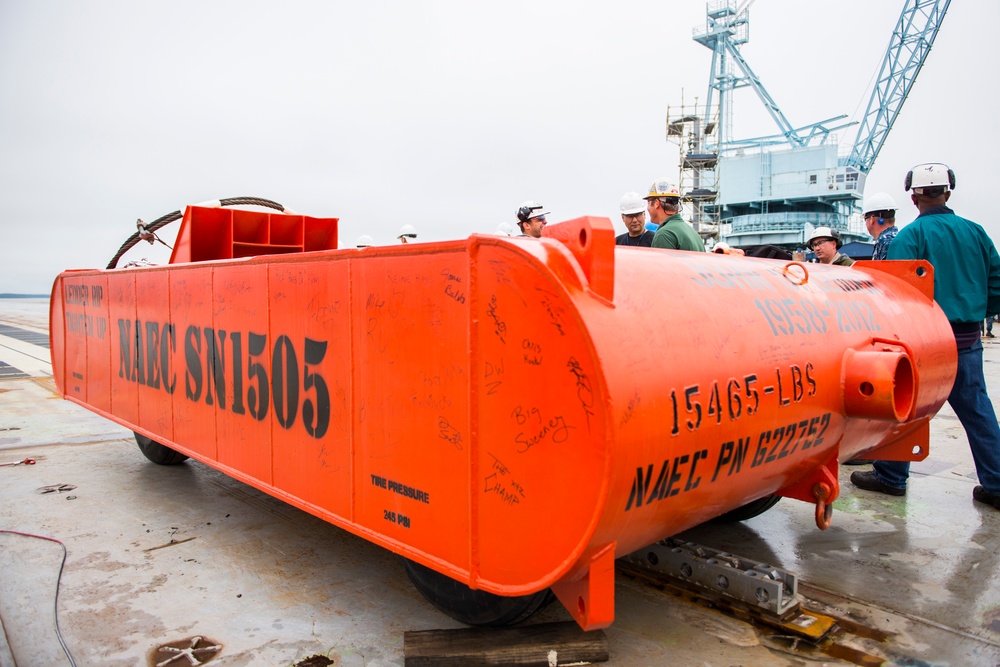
column 192, row 357
column 802, row 433
column 789, row 434
column 809, row 379
column 152, row 355
column 124, row 349
column 751, row 393
column 668, row 489
column 656, row 493
column 315, row 415
column 168, row 345
column 776, row 436
column 824, row 423
column 715, row 403
column 782, row 399
column 797, row 390
column 258, row 394
column 692, row 406
column 285, row 382
column 735, row 402
column 740, row 456
column 725, row 456
column 675, row 428
column 807, row 443
column 733, row 454
column 76, row 294
column 138, row 367
column 761, row 454
column 236, row 344
column 692, row 481
column 215, row 366
column 639, row 486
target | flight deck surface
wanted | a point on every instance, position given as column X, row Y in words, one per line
column 163, row 554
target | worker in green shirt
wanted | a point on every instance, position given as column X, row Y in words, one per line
column 663, row 203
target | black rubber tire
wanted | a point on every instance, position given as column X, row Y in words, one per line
column 748, row 511
column 157, row 453
column 474, row 607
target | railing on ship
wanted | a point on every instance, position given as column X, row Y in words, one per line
column 791, row 221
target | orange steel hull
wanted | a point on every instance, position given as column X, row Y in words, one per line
column 514, row 413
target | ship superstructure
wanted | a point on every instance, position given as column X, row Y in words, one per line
column 776, row 189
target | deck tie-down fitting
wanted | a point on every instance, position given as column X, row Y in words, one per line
column 757, row 584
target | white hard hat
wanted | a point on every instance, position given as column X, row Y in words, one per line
column 632, row 203
column 530, row 209
column 929, row 175
column 721, row 248
column 825, row 233
column 662, row 187
column 879, row 201
column 408, row 231
column 365, row 241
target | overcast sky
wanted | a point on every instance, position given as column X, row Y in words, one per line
column 444, row 115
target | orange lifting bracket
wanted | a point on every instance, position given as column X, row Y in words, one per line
column 510, row 413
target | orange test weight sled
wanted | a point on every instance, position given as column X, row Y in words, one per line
column 511, row 413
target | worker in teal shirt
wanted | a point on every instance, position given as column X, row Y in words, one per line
column 663, row 203
column 966, row 286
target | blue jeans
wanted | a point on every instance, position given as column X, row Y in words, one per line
column 972, row 405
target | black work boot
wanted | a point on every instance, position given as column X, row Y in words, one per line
column 982, row 495
column 869, row 481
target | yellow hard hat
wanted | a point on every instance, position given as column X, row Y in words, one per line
column 663, row 188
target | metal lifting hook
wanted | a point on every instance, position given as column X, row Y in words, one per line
column 824, row 511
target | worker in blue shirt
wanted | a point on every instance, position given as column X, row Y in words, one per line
column 880, row 221
column 966, row 286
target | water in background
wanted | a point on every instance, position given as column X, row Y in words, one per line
column 26, row 312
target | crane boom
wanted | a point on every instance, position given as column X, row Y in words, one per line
column 909, row 45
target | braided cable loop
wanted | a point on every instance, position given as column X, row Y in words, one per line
column 176, row 215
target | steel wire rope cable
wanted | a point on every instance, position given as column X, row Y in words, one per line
column 170, row 217
column 55, row 604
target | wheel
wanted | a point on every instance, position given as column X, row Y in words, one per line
column 157, row 453
column 474, row 607
column 748, row 511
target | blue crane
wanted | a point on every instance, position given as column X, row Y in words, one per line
column 727, row 28
column 908, row 48
column 775, row 189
